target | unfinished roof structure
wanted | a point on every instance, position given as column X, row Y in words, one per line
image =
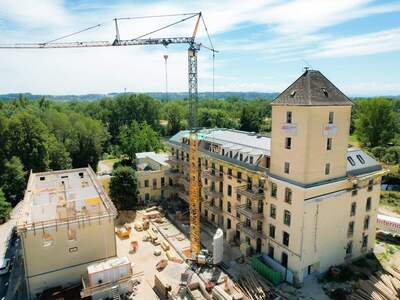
column 312, row 88
column 57, row 197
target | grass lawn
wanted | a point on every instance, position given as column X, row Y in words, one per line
column 391, row 199
column 353, row 141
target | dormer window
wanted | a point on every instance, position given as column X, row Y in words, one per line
column 289, row 117
column 325, row 91
column 351, row 161
column 360, row 158
column 292, row 93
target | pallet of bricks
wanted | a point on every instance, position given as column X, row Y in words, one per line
column 381, row 286
column 254, row 288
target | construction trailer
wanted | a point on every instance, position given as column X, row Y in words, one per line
column 108, row 279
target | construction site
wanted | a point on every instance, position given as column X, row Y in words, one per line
column 239, row 216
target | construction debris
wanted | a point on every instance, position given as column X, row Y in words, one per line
column 380, row 286
column 254, row 288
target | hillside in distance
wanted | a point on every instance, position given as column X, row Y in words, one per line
column 156, row 95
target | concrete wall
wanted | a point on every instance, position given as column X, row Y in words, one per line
column 64, row 261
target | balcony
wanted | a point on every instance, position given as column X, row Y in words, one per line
column 253, row 193
column 250, row 213
column 213, row 194
column 212, row 208
column 211, row 174
column 251, row 232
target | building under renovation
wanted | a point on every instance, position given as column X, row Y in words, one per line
column 302, row 198
column 66, row 223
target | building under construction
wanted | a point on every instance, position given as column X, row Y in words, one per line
column 300, row 198
column 66, row 223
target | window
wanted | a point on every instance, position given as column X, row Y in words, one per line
column 272, row 231
column 354, row 190
column 239, row 176
column 286, row 217
column 271, row 251
column 229, row 190
column 329, row 144
column 285, row 238
column 71, row 234
column 230, row 154
column 366, row 222
column 213, row 218
column 350, row 230
column 368, row 204
column 205, row 181
column 327, row 168
column 351, row 161
column 47, row 240
column 349, row 248
column 223, row 151
column 228, row 223
column 146, row 183
column 330, row 121
column 353, row 209
column 170, row 182
column 81, row 174
column 289, row 117
column 360, row 158
column 238, row 197
column 259, row 225
column 365, row 241
column 221, row 170
column 251, row 159
column 241, row 156
column 162, row 181
column 206, row 213
column 288, row 195
column 284, row 259
column 154, row 183
column 286, row 168
column 229, row 172
column 229, row 207
column 272, row 211
column 288, row 143
column 370, row 185
column 147, row 196
column 221, row 187
column 274, row 190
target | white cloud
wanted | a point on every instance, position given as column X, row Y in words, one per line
column 364, row 44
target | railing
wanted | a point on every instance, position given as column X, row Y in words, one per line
column 253, row 193
column 249, row 212
column 212, row 174
column 213, row 208
column 211, row 193
column 253, row 233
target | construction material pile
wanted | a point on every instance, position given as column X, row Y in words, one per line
column 254, row 288
column 382, row 286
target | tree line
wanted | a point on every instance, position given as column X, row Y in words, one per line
column 41, row 135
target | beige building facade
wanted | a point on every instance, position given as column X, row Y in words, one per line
column 301, row 198
column 66, row 223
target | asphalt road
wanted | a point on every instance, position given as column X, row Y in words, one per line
column 4, row 279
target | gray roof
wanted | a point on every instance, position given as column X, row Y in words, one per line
column 359, row 162
column 312, row 88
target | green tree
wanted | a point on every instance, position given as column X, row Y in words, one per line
column 5, row 207
column 376, row 123
column 28, row 140
column 58, row 155
column 250, row 119
column 13, row 180
column 123, row 187
column 174, row 113
column 139, row 138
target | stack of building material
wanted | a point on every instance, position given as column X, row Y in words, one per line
column 379, row 287
column 254, row 288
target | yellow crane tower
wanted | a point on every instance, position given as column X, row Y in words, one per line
column 144, row 39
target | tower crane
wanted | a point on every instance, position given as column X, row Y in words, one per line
column 143, row 40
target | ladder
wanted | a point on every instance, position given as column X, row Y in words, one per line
column 115, row 293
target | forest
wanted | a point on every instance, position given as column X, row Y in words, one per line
column 42, row 134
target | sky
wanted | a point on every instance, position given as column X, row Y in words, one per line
column 263, row 45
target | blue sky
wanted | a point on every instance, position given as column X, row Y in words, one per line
column 264, row 45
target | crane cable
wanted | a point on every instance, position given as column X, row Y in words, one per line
column 157, row 16
column 75, row 33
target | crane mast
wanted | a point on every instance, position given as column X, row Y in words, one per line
column 194, row 183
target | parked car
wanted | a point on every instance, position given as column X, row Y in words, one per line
column 5, row 264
